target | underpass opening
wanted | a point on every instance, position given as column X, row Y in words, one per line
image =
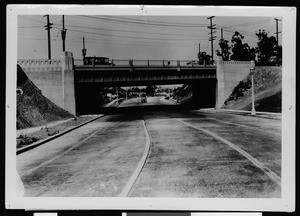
column 95, row 98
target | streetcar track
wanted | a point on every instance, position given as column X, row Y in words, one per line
column 276, row 178
column 236, row 124
column 271, row 174
column 128, row 187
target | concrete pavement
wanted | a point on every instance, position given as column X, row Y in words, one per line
column 191, row 154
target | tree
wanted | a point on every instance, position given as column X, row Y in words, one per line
column 267, row 47
column 240, row 51
column 150, row 90
column 225, row 50
column 204, row 59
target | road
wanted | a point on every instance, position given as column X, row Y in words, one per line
column 169, row 153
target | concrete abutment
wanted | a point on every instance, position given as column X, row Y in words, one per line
column 68, row 82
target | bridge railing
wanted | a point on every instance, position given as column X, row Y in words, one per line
column 146, row 63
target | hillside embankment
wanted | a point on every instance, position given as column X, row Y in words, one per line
column 33, row 109
column 267, row 91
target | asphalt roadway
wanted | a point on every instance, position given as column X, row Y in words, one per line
column 166, row 153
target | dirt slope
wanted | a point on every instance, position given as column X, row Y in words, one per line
column 33, row 109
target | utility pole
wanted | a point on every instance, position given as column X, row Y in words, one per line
column 63, row 33
column 222, row 41
column 48, row 27
column 221, row 33
column 199, row 54
column 83, row 50
column 212, row 37
column 252, row 67
column 277, row 32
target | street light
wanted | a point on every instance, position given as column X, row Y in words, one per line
column 252, row 67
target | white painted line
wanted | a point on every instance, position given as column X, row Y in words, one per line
column 139, row 167
column 260, row 165
column 59, row 155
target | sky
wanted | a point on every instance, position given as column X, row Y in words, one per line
column 134, row 37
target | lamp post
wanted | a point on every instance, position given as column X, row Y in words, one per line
column 253, row 112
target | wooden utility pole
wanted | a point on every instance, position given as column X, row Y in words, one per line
column 63, row 33
column 222, row 41
column 83, row 50
column 199, row 54
column 212, row 37
column 277, row 46
column 48, row 27
column 221, row 33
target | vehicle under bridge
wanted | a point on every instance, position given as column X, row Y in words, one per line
column 90, row 79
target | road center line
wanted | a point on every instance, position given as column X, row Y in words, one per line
column 260, row 165
column 140, row 165
column 59, row 155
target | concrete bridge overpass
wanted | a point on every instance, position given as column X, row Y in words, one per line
column 70, row 84
column 131, row 74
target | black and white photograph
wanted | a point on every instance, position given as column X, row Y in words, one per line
column 133, row 106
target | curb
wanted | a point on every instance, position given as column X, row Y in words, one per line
column 257, row 112
column 34, row 145
column 25, row 131
column 239, row 111
column 268, row 115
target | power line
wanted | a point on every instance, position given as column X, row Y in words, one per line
column 250, row 23
column 131, row 31
column 115, row 43
column 132, row 37
column 118, row 30
column 155, row 23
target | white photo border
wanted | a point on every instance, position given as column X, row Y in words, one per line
column 287, row 201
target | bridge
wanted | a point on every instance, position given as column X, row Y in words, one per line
column 71, row 85
column 143, row 72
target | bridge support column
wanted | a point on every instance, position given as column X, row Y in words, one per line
column 220, row 84
column 68, row 85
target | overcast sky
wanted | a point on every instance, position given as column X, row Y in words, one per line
column 133, row 37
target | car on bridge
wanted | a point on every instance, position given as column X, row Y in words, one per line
column 97, row 61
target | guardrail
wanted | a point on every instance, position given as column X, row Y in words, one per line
column 145, row 63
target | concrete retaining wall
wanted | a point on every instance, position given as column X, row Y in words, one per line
column 47, row 76
column 229, row 74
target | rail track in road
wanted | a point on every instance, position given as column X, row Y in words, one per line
column 258, row 165
column 276, row 178
column 126, row 191
column 152, row 151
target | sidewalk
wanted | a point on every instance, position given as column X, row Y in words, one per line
column 34, row 129
column 244, row 112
